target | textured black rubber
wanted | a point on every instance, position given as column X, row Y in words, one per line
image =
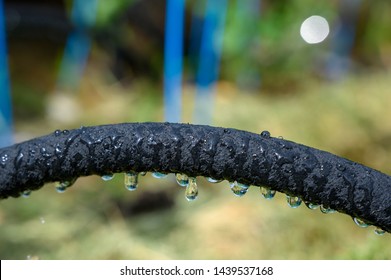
column 313, row 175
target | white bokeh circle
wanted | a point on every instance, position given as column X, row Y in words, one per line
column 314, row 29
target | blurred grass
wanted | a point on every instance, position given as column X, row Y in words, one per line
column 96, row 219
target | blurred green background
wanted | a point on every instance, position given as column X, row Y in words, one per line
column 270, row 79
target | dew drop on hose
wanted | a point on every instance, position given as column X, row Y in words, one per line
column 293, row 201
column 159, row 175
column 360, row 222
column 265, row 134
column 311, row 206
column 267, row 193
column 63, row 185
column 26, row 193
column 239, row 189
column 213, row 180
column 182, row 179
column 107, row 177
column 191, row 192
column 379, row 231
column 326, row 210
column 131, row 180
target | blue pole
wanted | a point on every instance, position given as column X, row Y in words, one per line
column 210, row 52
column 78, row 44
column 197, row 21
column 6, row 126
column 173, row 60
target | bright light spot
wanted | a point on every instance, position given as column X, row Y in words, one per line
column 314, row 29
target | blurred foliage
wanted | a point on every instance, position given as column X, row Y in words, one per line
column 109, row 10
column 102, row 220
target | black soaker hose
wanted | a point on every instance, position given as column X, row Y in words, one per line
column 197, row 150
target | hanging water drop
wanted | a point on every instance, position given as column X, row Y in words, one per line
column 293, row 201
column 326, row 210
column 159, row 175
column 131, row 180
column 63, row 185
column 379, row 231
column 191, row 192
column 60, row 188
column 213, row 180
column 42, row 220
column 107, row 177
column 26, row 193
column 311, row 206
column 182, row 179
column 267, row 193
column 239, row 189
column 360, row 223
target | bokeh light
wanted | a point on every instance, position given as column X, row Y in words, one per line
column 314, row 29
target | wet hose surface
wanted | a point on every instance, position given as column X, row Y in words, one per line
column 313, row 175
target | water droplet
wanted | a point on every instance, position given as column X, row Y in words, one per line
column 19, row 159
column 65, row 132
column 58, row 150
column 239, row 189
column 42, row 220
column 57, row 132
column 143, row 173
column 182, row 179
column 63, row 185
column 293, row 201
column 311, row 206
column 213, row 180
column 340, row 167
column 107, row 177
column 4, row 159
column 379, row 231
column 131, row 180
column 265, row 134
column 326, row 210
column 60, row 188
column 360, row 222
column 26, row 193
column 191, row 192
column 267, row 192
column 280, row 137
column 159, row 175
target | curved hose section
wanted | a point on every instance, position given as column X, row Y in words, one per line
column 315, row 176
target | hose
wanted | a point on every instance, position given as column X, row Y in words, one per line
column 303, row 173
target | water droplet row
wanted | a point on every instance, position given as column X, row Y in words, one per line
column 237, row 188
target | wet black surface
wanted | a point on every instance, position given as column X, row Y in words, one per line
column 253, row 159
